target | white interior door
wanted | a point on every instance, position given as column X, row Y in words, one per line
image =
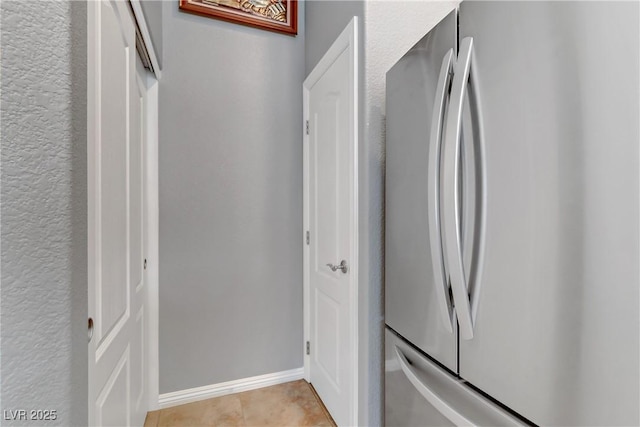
column 331, row 201
column 116, row 170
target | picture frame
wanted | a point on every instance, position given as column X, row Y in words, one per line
column 273, row 15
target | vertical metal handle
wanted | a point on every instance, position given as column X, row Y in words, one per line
column 451, row 200
column 433, row 191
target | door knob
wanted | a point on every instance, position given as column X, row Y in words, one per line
column 342, row 266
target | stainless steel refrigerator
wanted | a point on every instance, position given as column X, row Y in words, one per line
column 512, row 213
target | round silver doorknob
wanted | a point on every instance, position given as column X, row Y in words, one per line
column 342, row 266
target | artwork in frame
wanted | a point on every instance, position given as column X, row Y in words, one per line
column 273, row 15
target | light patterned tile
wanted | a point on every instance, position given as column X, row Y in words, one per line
column 289, row 404
column 222, row 411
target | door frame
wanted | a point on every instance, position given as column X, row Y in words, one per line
column 151, row 184
column 346, row 41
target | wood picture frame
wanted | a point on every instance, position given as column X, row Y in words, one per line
column 273, row 15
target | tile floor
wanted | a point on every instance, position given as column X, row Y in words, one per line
column 290, row 404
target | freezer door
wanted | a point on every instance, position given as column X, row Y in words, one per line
column 404, row 405
column 556, row 335
column 415, row 287
column 418, row 392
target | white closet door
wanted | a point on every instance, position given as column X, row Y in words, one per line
column 117, row 291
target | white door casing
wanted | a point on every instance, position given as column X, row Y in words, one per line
column 117, row 229
column 330, row 216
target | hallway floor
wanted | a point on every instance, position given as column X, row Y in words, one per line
column 290, row 404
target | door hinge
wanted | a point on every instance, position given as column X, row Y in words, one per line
column 308, row 238
column 308, row 348
column 307, row 127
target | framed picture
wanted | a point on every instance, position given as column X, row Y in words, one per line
column 273, row 15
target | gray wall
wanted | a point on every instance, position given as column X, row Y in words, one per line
column 152, row 10
column 230, row 201
column 324, row 21
column 43, row 209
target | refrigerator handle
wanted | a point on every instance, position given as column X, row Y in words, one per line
column 444, row 407
column 435, row 148
column 451, row 200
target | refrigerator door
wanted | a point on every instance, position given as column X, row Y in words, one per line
column 556, row 334
column 416, row 292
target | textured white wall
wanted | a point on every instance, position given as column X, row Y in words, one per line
column 43, row 209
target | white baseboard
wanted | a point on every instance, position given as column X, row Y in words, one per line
column 181, row 397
